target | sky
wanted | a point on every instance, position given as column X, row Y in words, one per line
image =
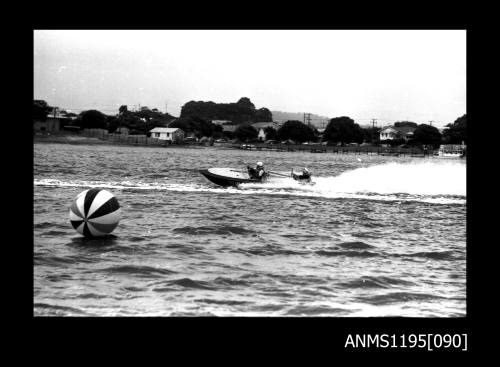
column 389, row 75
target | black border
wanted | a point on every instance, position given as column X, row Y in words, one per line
column 317, row 333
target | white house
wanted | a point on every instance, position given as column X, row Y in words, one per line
column 397, row 132
column 172, row 134
column 222, row 122
column 261, row 126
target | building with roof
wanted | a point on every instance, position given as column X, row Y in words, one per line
column 222, row 122
column 321, row 132
column 172, row 134
column 229, row 128
column 54, row 122
column 261, row 127
column 122, row 130
column 397, row 132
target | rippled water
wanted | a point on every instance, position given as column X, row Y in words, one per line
column 375, row 236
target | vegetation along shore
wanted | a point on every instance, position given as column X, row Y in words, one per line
column 238, row 125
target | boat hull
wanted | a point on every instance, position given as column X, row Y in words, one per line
column 450, row 155
column 226, row 177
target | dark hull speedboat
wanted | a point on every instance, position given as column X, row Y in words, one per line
column 227, row 176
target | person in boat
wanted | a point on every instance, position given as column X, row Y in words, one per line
column 305, row 176
column 258, row 172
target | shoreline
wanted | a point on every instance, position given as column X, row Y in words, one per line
column 358, row 150
column 87, row 140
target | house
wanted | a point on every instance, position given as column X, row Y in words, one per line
column 51, row 124
column 261, row 127
column 122, row 130
column 452, row 150
column 54, row 122
column 222, row 122
column 397, row 132
column 321, row 132
column 172, row 134
column 229, row 128
column 191, row 135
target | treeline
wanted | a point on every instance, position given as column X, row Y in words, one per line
column 339, row 130
column 290, row 131
column 243, row 111
column 138, row 122
column 453, row 133
column 196, row 120
column 41, row 110
column 456, row 133
column 343, row 130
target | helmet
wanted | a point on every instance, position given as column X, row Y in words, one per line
column 305, row 170
column 260, row 164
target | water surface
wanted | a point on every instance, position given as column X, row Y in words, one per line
column 376, row 236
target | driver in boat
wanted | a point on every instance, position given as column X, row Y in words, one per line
column 306, row 175
column 258, row 172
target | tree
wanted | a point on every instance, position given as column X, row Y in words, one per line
column 112, row 123
column 263, row 115
column 130, row 120
column 123, row 109
column 343, row 130
column 427, row 135
column 92, row 119
column 296, row 131
column 371, row 134
column 40, row 110
column 196, row 125
column 271, row 133
column 456, row 133
column 405, row 123
column 229, row 135
column 205, row 128
column 246, row 132
column 141, row 122
column 239, row 112
column 245, row 102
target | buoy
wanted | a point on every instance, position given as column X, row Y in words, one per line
column 95, row 213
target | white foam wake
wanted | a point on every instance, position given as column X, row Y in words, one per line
column 391, row 178
column 425, row 182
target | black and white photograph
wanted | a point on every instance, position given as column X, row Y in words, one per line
column 249, row 173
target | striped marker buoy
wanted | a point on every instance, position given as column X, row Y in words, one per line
column 95, row 213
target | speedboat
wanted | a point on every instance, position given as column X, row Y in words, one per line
column 233, row 177
column 451, row 151
column 228, row 176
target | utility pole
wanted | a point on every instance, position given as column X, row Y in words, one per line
column 307, row 116
column 165, row 107
column 309, row 119
column 374, row 122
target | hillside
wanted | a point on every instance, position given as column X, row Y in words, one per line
column 242, row 111
column 316, row 120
